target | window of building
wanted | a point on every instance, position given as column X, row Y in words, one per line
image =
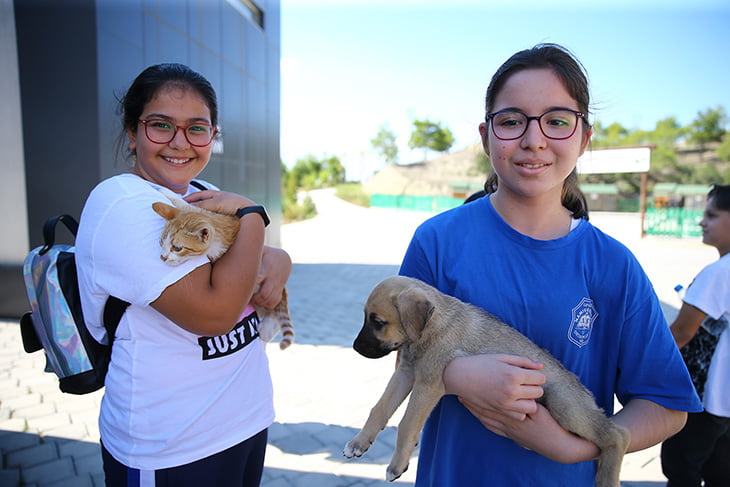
column 250, row 10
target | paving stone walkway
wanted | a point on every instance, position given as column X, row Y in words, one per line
column 323, row 389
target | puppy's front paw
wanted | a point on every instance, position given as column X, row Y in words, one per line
column 394, row 472
column 355, row 448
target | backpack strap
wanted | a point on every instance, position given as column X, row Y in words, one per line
column 114, row 307
column 49, row 230
column 113, row 311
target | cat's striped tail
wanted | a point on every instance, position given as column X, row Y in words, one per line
column 287, row 335
column 275, row 321
column 287, row 328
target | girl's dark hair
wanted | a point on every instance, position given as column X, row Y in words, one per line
column 571, row 72
column 720, row 196
column 150, row 81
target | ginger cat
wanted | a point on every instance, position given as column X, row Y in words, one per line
column 192, row 231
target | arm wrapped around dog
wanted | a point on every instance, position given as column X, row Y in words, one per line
column 429, row 329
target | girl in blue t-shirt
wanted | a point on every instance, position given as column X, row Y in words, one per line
column 526, row 253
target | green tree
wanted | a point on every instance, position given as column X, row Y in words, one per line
column 611, row 136
column 310, row 172
column 291, row 207
column 706, row 174
column 333, row 172
column 384, row 144
column 709, row 126
column 665, row 165
column 723, row 152
column 430, row 135
column 668, row 132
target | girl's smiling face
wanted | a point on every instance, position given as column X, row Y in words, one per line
column 533, row 165
column 175, row 163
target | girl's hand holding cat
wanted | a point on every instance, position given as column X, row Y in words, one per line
column 219, row 201
column 275, row 265
column 274, row 271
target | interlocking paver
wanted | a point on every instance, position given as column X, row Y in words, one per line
column 9, row 477
column 49, row 472
column 323, row 389
column 30, row 457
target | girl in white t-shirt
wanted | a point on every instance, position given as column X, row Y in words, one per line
column 701, row 451
column 188, row 396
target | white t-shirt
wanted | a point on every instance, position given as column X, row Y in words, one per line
column 171, row 397
column 710, row 292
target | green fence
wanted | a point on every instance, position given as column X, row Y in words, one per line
column 678, row 222
column 420, row 203
column 626, row 205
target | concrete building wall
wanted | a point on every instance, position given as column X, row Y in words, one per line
column 14, row 236
column 76, row 57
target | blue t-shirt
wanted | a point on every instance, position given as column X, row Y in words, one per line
column 583, row 297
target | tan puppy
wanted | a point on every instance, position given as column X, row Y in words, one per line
column 429, row 329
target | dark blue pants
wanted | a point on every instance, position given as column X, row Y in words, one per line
column 701, row 451
column 239, row 466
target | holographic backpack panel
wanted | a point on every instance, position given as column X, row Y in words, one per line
column 56, row 323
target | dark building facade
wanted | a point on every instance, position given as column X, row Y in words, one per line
column 67, row 63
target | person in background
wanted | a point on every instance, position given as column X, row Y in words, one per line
column 701, row 451
column 177, row 411
column 526, row 253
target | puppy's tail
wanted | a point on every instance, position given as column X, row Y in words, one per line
column 608, row 465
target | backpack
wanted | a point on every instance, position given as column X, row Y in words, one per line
column 56, row 323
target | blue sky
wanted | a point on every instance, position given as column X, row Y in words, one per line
column 350, row 66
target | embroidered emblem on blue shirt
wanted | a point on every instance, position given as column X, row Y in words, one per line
column 581, row 323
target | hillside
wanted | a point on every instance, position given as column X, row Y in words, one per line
column 443, row 176
column 455, row 174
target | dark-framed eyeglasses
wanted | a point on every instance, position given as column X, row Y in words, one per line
column 161, row 131
column 556, row 124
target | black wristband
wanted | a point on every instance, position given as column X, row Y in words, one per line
column 254, row 209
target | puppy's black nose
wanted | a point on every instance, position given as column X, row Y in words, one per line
column 369, row 351
column 368, row 346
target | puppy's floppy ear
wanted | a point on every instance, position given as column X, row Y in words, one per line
column 414, row 310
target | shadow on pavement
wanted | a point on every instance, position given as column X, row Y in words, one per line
column 30, row 459
column 316, row 479
column 648, row 483
column 301, row 439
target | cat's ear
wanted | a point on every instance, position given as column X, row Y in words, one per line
column 175, row 198
column 165, row 211
column 204, row 234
